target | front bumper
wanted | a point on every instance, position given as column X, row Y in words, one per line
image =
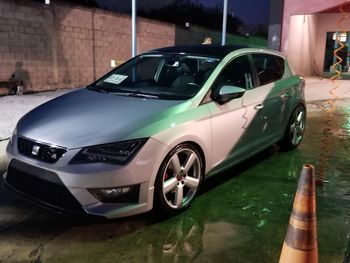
column 64, row 187
column 44, row 188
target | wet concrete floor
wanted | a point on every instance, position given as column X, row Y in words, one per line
column 240, row 215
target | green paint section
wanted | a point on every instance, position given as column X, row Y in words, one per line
column 232, row 39
column 246, row 40
column 240, row 215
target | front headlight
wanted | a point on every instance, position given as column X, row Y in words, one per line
column 114, row 153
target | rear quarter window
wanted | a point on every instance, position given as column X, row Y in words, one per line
column 269, row 68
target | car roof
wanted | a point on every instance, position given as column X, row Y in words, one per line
column 204, row 50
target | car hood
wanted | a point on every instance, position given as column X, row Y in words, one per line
column 84, row 117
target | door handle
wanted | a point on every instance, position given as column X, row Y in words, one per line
column 285, row 95
column 258, row 107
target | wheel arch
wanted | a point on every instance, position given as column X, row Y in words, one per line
column 158, row 197
column 201, row 152
column 204, row 156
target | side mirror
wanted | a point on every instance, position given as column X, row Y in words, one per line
column 225, row 93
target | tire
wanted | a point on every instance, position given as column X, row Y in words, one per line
column 178, row 179
column 295, row 130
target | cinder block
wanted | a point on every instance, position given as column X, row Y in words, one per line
column 29, row 32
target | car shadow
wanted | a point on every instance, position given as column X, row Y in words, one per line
column 236, row 170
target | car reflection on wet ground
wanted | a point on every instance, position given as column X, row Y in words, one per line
column 240, row 215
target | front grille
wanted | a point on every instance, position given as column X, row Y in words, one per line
column 40, row 151
column 41, row 185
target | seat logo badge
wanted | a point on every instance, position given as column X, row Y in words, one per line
column 35, row 150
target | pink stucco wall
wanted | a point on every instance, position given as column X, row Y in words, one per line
column 301, row 43
column 307, row 41
column 302, row 7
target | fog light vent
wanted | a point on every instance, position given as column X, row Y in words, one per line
column 125, row 194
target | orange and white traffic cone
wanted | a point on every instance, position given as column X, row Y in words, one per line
column 300, row 243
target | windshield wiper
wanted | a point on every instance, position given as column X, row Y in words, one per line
column 143, row 95
column 94, row 88
column 135, row 94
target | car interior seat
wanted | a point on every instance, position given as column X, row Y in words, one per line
column 182, row 83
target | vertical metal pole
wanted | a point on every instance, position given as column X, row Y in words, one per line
column 133, row 29
column 224, row 23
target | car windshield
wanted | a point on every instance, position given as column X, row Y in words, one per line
column 158, row 76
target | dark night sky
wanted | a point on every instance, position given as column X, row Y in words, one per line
column 250, row 11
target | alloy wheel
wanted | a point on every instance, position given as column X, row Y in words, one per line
column 181, row 178
column 297, row 126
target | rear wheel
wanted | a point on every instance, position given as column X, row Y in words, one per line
column 179, row 178
column 295, row 130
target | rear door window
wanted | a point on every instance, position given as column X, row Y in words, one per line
column 269, row 68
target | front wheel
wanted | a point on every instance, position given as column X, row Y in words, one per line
column 179, row 178
column 295, row 129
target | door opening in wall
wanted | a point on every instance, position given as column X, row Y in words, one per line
column 331, row 45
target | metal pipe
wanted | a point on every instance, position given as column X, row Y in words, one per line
column 133, row 29
column 224, row 23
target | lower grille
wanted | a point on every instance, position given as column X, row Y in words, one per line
column 45, row 188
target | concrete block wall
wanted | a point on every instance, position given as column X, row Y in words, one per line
column 63, row 45
column 24, row 43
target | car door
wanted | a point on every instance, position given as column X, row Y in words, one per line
column 262, row 111
column 229, row 119
column 273, row 97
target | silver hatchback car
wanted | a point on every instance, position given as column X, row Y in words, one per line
column 148, row 133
